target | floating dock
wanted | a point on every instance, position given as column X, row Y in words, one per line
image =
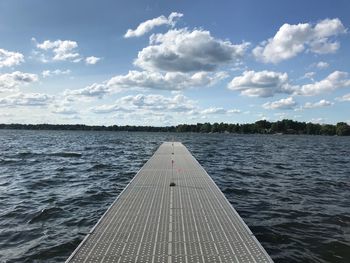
column 151, row 221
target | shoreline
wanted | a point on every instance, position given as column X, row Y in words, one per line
column 260, row 127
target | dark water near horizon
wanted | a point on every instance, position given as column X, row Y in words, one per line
column 292, row 191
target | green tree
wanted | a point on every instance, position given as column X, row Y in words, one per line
column 206, row 127
column 263, row 126
column 328, row 129
column 215, row 127
column 342, row 129
column 312, row 128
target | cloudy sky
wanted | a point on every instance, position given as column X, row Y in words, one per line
column 170, row 62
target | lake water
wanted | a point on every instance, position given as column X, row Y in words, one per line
column 292, row 191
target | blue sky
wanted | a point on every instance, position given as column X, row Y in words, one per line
column 170, row 62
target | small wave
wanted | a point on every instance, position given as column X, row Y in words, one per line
column 235, row 191
column 50, row 252
column 96, row 196
column 36, row 154
column 25, row 154
column 61, row 169
column 246, row 173
column 66, row 154
column 45, row 214
column 228, row 169
column 99, row 166
column 98, row 148
column 281, row 167
column 336, row 251
column 9, row 160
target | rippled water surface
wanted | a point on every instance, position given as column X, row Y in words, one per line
column 292, row 191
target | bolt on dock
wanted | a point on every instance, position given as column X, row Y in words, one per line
column 172, row 211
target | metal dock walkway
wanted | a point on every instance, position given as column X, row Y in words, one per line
column 151, row 221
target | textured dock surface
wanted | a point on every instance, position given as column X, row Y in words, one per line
column 153, row 222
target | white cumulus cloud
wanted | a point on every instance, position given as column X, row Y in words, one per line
column 63, row 50
column 333, row 81
column 56, row 72
column 261, row 83
column 282, row 104
column 309, row 75
column 11, row 81
column 148, row 25
column 181, row 50
column 177, row 106
column 26, row 99
column 92, row 60
column 322, row 65
column 345, row 97
column 214, row 110
column 9, row 58
column 291, row 40
column 148, row 103
column 234, row 111
column 167, row 81
column 95, row 90
column 319, row 104
column 65, row 110
column 135, row 80
column 269, row 83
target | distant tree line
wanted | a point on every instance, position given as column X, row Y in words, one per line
column 83, row 127
column 263, row 127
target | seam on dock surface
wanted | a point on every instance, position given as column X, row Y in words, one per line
column 152, row 221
